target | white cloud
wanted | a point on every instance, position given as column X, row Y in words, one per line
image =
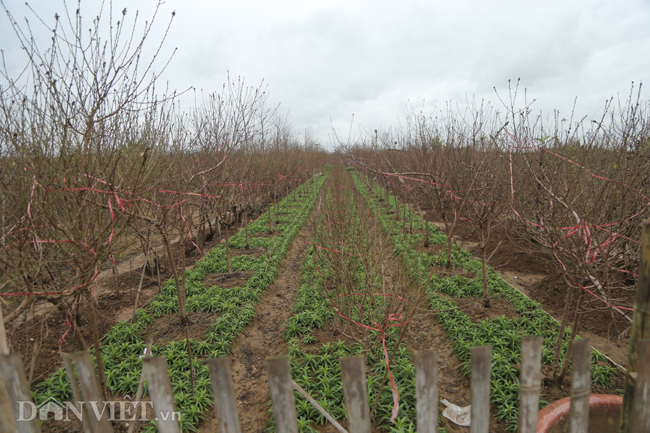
column 330, row 60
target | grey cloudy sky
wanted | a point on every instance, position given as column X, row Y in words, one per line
column 326, row 61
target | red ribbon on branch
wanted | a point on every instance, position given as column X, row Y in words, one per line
column 382, row 329
column 581, row 227
column 384, row 326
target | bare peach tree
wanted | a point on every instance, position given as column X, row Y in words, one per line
column 77, row 128
column 582, row 198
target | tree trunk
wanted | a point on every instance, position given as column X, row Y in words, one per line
column 210, row 226
column 426, row 233
column 179, row 292
column 181, row 305
column 449, row 241
column 485, row 237
column 246, row 225
column 574, row 332
column 201, row 237
column 63, row 307
column 228, row 250
column 560, row 335
column 118, row 295
column 97, row 344
column 486, row 293
column 157, row 264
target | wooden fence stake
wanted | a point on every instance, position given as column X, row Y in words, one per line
column 641, row 413
column 76, row 392
column 13, row 375
column 426, row 377
column 580, row 387
column 284, row 403
column 480, row 413
column 160, row 390
column 7, row 422
column 138, row 392
column 92, row 392
column 640, row 328
column 355, row 390
column 4, row 347
column 530, row 379
column 224, row 395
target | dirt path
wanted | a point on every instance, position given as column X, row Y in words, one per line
column 263, row 338
column 426, row 333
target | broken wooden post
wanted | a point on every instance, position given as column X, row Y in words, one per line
column 355, row 390
column 160, row 391
column 580, row 387
column 480, row 412
column 224, row 395
column 426, row 392
column 530, row 379
column 92, row 392
column 284, row 403
column 76, row 392
column 641, row 412
column 13, row 376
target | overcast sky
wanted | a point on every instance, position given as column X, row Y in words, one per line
column 325, row 61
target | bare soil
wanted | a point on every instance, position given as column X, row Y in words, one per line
column 474, row 308
column 227, row 280
column 169, row 328
column 263, row 338
column 529, row 273
column 426, row 333
column 519, row 262
column 114, row 298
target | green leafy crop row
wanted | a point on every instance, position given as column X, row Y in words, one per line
column 124, row 343
column 503, row 334
column 316, row 368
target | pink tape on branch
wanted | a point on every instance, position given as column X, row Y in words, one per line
column 582, row 228
column 67, row 330
column 387, row 324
